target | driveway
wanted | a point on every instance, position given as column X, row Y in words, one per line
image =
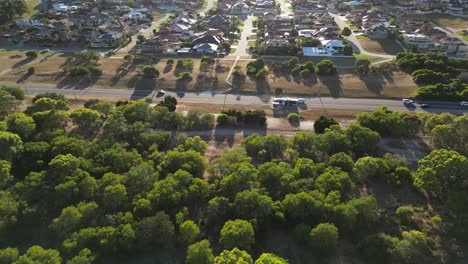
column 340, row 21
column 243, row 44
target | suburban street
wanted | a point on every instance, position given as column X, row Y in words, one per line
column 243, row 44
column 352, row 104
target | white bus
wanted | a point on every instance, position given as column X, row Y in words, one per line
column 279, row 102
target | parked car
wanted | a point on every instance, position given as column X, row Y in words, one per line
column 160, row 93
column 464, row 103
column 407, row 101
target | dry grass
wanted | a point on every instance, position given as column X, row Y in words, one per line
column 117, row 74
column 384, row 46
column 457, row 23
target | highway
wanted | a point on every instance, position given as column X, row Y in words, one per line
column 351, row 104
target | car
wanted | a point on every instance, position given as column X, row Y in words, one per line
column 407, row 101
column 424, row 105
column 464, row 103
column 161, row 93
column 301, row 101
column 45, row 51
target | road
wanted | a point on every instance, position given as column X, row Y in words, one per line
column 340, row 21
column 285, row 7
column 351, row 104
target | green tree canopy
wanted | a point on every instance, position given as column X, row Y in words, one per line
column 237, row 233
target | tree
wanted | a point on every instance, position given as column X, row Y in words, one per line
column 442, row 136
column 21, row 124
column 235, row 256
column 37, row 254
column 8, row 208
column 324, row 239
column 341, row 160
column 380, row 248
column 10, row 144
column 363, row 140
column 115, row 197
column 326, row 67
column 8, row 103
column 347, row 50
column 157, row 229
column 86, row 119
column 304, row 206
column 346, row 31
column 323, row 123
column 250, row 204
column 85, row 256
column 369, row 167
column 14, row 90
column 270, row 258
column 31, row 54
column 189, row 231
column 8, row 255
column 237, row 233
column 11, row 9
column 150, row 72
column 190, row 161
column 334, row 179
column 362, row 66
column 440, row 172
column 68, row 221
column 200, row 253
column 413, row 246
column 169, row 102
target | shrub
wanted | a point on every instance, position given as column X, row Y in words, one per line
column 405, row 213
column 296, row 70
column 77, row 71
column 278, row 91
column 14, row 90
column 294, row 118
column 32, row 54
column 185, row 76
column 170, row 62
column 186, row 64
column 305, row 73
column 261, row 74
column 425, row 76
column 251, row 70
column 150, row 71
column 222, row 119
column 94, row 70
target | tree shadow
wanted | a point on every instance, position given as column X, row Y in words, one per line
column 262, row 86
column 78, row 82
column 374, row 83
column 143, row 87
column 224, row 134
column 24, row 77
column 333, row 83
column 22, row 62
column 181, row 85
column 310, row 81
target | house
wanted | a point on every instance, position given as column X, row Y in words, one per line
column 207, row 48
column 334, row 45
column 108, row 40
column 269, row 16
column 432, row 32
column 240, row 9
column 24, row 23
column 450, row 45
column 217, row 22
column 418, row 41
column 329, row 48
column 209, row 39
column 277, row 41
column 411, row 22
column 378, row 31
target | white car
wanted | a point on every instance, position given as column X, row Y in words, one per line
column 464, row 103
column 407, row 101
column 161, row 93
column 301, row 101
